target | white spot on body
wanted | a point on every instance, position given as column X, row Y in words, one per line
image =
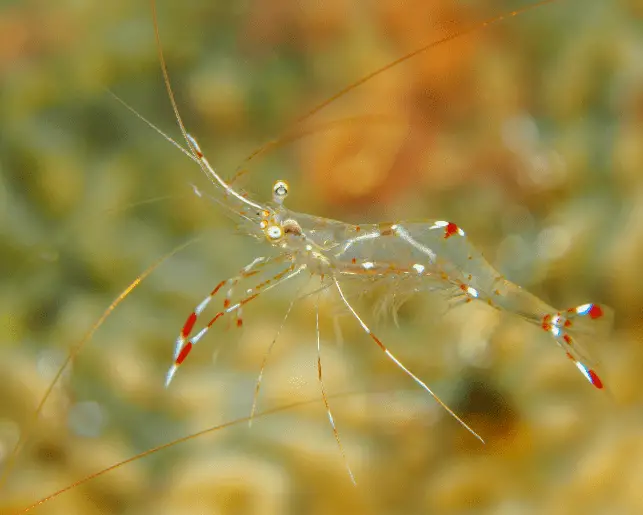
column 441, row 224
column 418, row 268
column 367, row 265
column 472, row 292
column 555, row 325
column 583, row 309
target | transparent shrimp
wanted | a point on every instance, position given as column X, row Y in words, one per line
column 412, row 256
column 418, row 256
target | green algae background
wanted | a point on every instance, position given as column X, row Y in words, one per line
column 527, row 134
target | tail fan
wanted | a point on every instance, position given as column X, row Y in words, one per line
column 570, row 327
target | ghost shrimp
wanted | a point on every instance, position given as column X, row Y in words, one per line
column 415, row 257
column 408, row 257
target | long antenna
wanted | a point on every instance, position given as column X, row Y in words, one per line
column 456, row 35
column 194, row 146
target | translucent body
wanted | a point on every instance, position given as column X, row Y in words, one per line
column 414, row 257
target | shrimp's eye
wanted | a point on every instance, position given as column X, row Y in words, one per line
column 274, row 233
column 280, row 191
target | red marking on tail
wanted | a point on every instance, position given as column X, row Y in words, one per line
column 450, row 230
column 567, row 338
column 596, row 381
column 595, row 312
column 184, row 353
column 226, row 303
column 239, row 322
column 189, row 324
column 546, row 325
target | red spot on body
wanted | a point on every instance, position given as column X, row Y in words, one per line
column 353, row 260
column 226, row 303
column 189, row 324
column 568, row 339
column 239, row 322
column 450, row 230
column 570, row 356
column 596, row 381
column 184, row 353
column 568, row 323
column 595, row 312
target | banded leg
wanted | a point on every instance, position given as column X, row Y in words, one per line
column 325, row 397
column 187, row 343
column 247, row 271
column 568, row 327
column 191, row 320
column 390, row 355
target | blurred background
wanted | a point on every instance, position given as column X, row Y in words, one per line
column 528, row 134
